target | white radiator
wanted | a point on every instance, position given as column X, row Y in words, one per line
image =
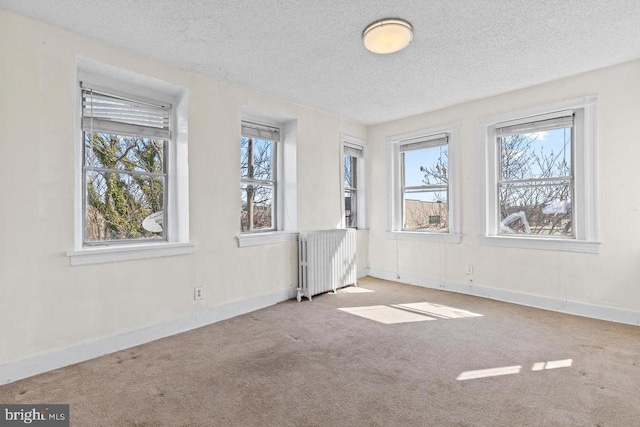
column 327, row 261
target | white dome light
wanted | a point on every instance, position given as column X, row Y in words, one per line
column 387, row 36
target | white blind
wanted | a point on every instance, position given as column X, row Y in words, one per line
column 103, row 112
column 563, row 119
column 424, row 142
column 353, row 151
column 256, row 130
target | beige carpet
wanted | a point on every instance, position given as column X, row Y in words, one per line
column 397, row 356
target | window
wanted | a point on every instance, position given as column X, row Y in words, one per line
column 424, row 166
column 535, row 183
column 124, row 167
column 131, row 161
column 258, row 184
column 268, row 179
column 424, row 186
column 353, row 182
column 351, row 159
column 540, row 178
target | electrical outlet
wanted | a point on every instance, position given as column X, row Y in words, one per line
column 469, row 269
column 198, row 293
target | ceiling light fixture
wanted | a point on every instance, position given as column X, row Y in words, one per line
column 387, row 35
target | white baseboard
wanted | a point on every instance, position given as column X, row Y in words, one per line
column 546, row 303
column 24, row 368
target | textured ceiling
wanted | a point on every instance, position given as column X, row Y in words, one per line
column 311, row 53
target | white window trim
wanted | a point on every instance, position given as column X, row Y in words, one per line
column 394, row 222
column 286, row 183
column 585, row 167
column 177, row 242
column 361, row 189
column 118, row 253
column 266, row 238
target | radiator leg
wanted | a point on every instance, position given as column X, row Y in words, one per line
column 299, row 296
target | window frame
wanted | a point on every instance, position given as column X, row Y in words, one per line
column 286, row 227
column 120, row 131
column 584, row 167
column 396, row 185
column 354, row 143
column 275, row 176
column 431, row 141
column 536, row 123
column 111, row 79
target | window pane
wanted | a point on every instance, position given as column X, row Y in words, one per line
column 256, row 207
column 426, row 166
column 261, row 152
column 543, row 154
column 350, row 172
column 350, row 203
column 128, row 153
column 244, row 156
column 426, row 210
column 541, row 208
column 118, row 203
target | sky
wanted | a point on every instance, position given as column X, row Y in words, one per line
column 557, row 141
column 427, row 157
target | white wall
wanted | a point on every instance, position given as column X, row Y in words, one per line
column 46, row 304
column 609, row 279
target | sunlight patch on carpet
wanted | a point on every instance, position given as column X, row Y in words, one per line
column 353, row 290
column 437, row 310
column 509, row 370
column 386, row 315
column 491, row 372
column 410, row 312
column 553, row 364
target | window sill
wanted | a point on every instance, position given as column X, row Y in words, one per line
column 424, row 236
column 107, row 254
column 581, row 246
column 259, row 239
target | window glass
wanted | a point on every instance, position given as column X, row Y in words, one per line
column 258, row 183
column 262, row 156
column 535, row 191
column 350, row 190
column 426, row 166
column 124, row 168
column 425, row 203
column 257, row 207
